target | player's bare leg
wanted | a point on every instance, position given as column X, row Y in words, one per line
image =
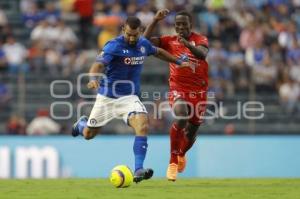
column 180, row 109
column 80, row 128
column 139, row 122
column 186, row 143
column 90, row 133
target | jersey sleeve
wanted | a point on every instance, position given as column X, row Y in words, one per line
column 104, row 58
column 164, row 41
column 150, row 49
column 202, row 41
column 107, row 54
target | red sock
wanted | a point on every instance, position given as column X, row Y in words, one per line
column 185, row 145
column 175, row 136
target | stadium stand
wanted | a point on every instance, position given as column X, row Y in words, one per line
column 254, row 51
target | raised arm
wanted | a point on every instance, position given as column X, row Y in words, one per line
column 161, row 14
column 96, row 68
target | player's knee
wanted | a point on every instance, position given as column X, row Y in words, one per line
column 89, row 134
column 143, row 129
column 191, row 133
column 181, row 122
column 191, row 136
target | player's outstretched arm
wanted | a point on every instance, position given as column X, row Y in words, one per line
column 161, row 14
column 164, row 55
column 94, row 71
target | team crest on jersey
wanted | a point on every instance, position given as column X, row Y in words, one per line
column 143, row 50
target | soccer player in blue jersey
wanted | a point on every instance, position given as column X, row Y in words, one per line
column 121, row 61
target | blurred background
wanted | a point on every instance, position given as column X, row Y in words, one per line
column 45, row 45
column 254, row 56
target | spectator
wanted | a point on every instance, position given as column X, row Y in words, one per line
column 3, row 19
column 31, row 15
column 145, row 15
column 131, row 9
column 265, row 76
column 251, row 36
column 62, row 35
column 286, row 38
column 42, row 124
column 51, row 13
column 110, row 30
column 36, row 56
column 53, row 61
column 293, row 54
column 44, row 33
column 16, row 55
column 84, row 8
column 289, row 93
column 240, row 71
column 219, row 69
column 3, row 61
column 256, row 55
column 16, row 125
column 5, row 97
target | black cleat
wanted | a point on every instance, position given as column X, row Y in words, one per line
column 142, row 174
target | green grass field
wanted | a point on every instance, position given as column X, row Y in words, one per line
column 155, row 188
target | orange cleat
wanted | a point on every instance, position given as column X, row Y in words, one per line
column 172, row 172
column 181, row 163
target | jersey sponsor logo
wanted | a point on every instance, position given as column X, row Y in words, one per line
column 134, row 60
column 127, row 60
column 175, row 43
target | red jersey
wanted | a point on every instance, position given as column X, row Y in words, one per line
column 186, row 79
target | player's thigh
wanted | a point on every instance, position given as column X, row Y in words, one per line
column 102, row 112
column 139, row 122
column 180, row 107
column 197, row 110
column 129, row 106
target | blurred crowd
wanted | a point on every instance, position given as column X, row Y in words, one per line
column 252, row 42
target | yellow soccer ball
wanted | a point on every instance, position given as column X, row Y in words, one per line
column 121, row 176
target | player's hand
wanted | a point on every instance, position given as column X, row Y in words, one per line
column 161, row 14
column 184, row 41
column 183, row 61
column 93, row 84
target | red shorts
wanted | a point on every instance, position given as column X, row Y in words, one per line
column 196, row 102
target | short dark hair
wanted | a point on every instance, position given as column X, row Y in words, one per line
column 185, row 13
column 133, row 22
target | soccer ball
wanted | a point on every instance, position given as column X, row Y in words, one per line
column 121, row 176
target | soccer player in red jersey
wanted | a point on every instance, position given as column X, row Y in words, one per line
column 188, row 86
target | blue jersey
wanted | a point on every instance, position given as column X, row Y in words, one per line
column 123, row 66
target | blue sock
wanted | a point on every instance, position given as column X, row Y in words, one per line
column 81, row 125
column 140, row 148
